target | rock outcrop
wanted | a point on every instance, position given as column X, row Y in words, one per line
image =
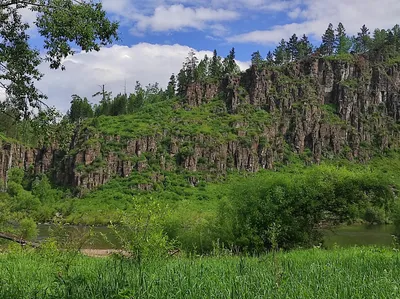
column 318, row 107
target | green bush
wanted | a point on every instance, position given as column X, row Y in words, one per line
column 297, row 203
column 374, row 215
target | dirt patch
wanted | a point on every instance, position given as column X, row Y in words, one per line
column 102, row 252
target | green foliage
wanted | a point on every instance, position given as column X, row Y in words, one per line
column 375, row 215
column 27, row 229
column 62, row 24
column 140, row 231
column 16, row 175
column 328, row 41
column 298, row 203
column 80, row 109
column 339, row 273
column 396, row 219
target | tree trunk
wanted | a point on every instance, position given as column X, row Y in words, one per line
column 17, row 240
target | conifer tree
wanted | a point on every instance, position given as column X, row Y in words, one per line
column 215, row 66
column 281, row 53
column 171, row 88
column 342, row 41
column 292, row 47
column 80, row 109
column 328, row 41
column 229, row 63
column 305, row 48
column 363, row 40
column 256, row 59
column 202, row 70
column 270, row 58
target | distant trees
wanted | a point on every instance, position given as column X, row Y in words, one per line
column 328, row 41
column 342, row 43
column 215, row 66
column 362, row 42
column 281, row 53
column 171, row 88
column 335, row 42
column 229, row 63
column 256, row 59
column 80, row 109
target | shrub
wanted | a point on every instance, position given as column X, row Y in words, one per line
column 374, row 215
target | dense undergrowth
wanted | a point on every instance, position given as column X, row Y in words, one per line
column 338, row 273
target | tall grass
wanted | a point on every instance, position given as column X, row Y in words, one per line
column 339, row 273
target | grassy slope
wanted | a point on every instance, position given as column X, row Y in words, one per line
column 208, row 119
column 340, row 273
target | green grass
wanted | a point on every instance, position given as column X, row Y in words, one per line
column 209, row 119
column 339, row 273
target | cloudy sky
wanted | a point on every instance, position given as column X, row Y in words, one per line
column 156, row 36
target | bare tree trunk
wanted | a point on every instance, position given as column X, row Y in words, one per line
column 18, row 240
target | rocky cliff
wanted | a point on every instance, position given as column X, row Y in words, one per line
column 316, row 108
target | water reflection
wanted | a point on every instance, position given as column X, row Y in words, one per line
column 347, row 236
column 344, row 236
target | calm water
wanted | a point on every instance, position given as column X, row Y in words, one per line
column 345, row 236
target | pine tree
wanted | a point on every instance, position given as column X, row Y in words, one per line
column 270, row 58
column 380, row 39
column 342, row 41
column 139, row 96
column 202, row 70
column 171, row 88
column 215, row 66
column 182, row 83
column 281, row 53
column 256, row 59
column 190, row 66
column 328, row 41
column 305, row 48
column 396, row 37
column 119, row 105
column 362, row 42
column 292, row 47
column 80, row 109
column 229, row 63
column 105, row 103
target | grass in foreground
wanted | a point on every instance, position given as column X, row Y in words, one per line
column 339, row 273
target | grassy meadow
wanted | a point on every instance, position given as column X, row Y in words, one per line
column 314, row 273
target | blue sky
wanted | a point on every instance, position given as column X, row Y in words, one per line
column 156, row 36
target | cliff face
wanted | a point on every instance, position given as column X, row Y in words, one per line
column 317, row 107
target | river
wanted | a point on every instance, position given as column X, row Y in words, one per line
column 344, row 236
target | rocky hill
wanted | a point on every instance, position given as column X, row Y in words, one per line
column 316, row 108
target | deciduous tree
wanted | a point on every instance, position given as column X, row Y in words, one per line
column 63, row 24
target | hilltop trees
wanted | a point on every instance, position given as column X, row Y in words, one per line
column 328, row 41
column 80, row 109
column 362, row 41
column 342, row 41
column 64, row 25
column 229, row 63
column 256, row 59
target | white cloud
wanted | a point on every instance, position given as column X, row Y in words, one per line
column 177, row 17
column 146, row 63
column 317, row 14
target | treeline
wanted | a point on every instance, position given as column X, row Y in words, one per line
column 121, row 104
column 334, row 42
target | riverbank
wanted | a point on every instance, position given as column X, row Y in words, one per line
column 363, row 272
column 342, row 236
